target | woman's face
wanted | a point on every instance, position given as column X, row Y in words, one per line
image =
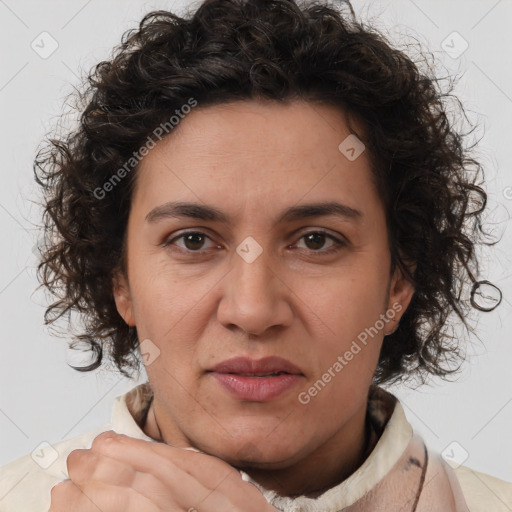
column 265, row 274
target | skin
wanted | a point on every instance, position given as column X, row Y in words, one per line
column 200, row 303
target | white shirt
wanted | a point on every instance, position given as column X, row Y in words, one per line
column 382, row 482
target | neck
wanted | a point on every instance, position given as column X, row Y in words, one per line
column 322, row 469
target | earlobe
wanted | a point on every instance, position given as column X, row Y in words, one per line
column 400, row 295
column 122, row 298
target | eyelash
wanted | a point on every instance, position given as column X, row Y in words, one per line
column 338, row 244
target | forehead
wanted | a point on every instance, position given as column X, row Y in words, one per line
column 257, row 153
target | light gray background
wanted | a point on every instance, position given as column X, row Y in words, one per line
column 42, row 399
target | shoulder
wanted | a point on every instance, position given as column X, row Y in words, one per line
column 468, row 489
column 484, row 492
column 26, row 482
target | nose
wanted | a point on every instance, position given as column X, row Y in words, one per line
column 255, row 297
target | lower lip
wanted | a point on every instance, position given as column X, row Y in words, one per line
column 257, row 389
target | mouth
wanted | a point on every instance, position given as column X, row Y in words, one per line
column 275, row 374
column 248, row 367
column 260, row 380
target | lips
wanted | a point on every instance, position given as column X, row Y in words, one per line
column 260, row 380
column 245, row 366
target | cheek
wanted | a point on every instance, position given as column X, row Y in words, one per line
column 160, row 297
column 344, row 311
column 350, row 297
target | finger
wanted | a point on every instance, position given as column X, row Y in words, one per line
column 192, row 477
column 87, row 465
column 242, row 495
column 215, row 501
column 67, row 494
column 98, row 497
column 169, row 482
column 148, row 456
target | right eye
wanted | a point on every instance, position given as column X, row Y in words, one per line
column 192, row 241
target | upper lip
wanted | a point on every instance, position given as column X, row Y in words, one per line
column 246, row 365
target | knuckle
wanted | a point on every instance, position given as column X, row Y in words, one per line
column 58, row 492
column 56, row 489
column 104, row 440
column 80, row 462
column 76, row 456
column 74, row 460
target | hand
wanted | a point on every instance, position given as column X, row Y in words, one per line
column 123, row 474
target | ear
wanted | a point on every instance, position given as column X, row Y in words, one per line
column 123, row 298
column 400, row 294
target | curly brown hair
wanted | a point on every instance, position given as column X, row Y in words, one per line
column 230, row 50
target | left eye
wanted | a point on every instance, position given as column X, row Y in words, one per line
column 194, row 241
column 314, row 241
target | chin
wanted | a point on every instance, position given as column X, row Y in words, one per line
column 255, row 454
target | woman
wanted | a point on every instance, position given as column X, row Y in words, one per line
column 266, row 202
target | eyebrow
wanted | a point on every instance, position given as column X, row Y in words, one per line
column 210, row 213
